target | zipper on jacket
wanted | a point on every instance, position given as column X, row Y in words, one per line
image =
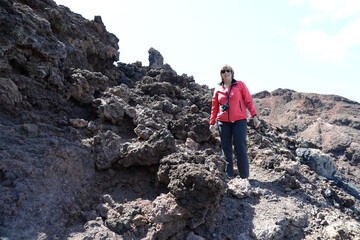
column 240, row 105
column 228, row 100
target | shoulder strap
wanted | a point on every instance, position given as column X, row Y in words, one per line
column 228, row 94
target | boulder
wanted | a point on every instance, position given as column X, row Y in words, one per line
column 85, row 83
column 318, row 161
column 196, row 189
column 159, row 144
column 113, row 108
column 107, row 149
column 9, row 93
column 156, row 60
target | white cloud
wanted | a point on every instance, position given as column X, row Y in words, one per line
column 296, row 2
column 325, row 5
column 349, row 8
column 350, row 35
column 319, row 44
column 324, row 48
column 333, row 9
column 306, row 21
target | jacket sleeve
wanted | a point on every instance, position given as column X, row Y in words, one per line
column 214, row 108
column 248, row 99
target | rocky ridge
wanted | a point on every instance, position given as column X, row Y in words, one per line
column 329, row 122
column 93, row 150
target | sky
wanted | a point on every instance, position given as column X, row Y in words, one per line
column 308, row 46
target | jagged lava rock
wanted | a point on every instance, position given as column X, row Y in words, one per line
column 90, row 149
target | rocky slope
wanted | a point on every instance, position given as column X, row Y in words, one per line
column 93, row 150
column 330, row 122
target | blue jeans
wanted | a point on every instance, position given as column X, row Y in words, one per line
column 236, row 130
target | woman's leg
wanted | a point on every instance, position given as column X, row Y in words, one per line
column 240, row 132
column 225, row 130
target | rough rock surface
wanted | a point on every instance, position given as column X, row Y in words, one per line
column 93, row 150
column 156, row 60
column 321, row 163
column 329, row 122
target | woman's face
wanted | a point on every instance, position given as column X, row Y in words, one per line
column 226, row 75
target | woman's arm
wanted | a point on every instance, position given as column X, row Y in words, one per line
column 214, row 108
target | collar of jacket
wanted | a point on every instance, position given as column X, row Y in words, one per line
column 232, row 82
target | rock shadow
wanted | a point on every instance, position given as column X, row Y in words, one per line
column 234, row 224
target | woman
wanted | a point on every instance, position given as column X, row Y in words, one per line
column 228, row 108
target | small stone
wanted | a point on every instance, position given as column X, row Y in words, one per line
column 320, row 216
column 78, row 123
column 324, row 223
column 328, row 193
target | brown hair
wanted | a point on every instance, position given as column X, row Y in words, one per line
column 229, row 68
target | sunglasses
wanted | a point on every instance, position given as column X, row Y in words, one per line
column 227, row 70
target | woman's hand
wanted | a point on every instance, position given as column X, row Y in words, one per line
column 212, row 129
column 256, row 121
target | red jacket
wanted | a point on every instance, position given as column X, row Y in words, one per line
column 238, row 99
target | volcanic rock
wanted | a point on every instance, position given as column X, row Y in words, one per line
column 156, row 60
column 328, row 122
column 90, row 149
